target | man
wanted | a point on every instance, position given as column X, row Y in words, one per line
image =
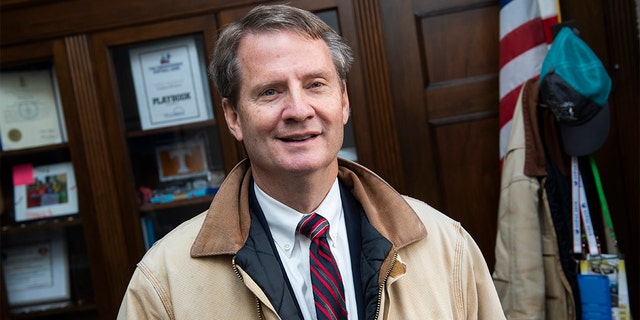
column 282, row 75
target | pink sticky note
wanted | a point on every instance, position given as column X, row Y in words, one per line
column 23, row 174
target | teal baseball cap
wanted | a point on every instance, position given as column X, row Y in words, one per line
column 575, row 86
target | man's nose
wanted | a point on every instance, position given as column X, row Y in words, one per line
column 298, row 106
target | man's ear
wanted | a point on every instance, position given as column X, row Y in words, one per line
column 233, row 119
column 346, row 108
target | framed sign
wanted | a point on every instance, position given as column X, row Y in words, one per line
column 36, row 268
column 44, row 191
column 182, row 160
column 170, row 86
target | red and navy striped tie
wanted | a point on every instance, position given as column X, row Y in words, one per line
column 328, row 291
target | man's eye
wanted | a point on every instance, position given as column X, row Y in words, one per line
column 268, row 92
column 316, row 85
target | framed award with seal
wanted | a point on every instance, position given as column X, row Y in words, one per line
column 170, row 85
column 30, row 109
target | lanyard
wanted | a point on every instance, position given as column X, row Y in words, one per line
column 612, row 247
column 580, row 211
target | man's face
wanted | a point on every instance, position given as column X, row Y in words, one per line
column 291, row 110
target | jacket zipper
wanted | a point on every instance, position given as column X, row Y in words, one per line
column 235, row 269
column 384, row 282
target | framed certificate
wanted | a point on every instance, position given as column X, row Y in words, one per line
column 36, row 268
column 44, row 191
column 182, row 160
column 30, row 109
column 171, row 87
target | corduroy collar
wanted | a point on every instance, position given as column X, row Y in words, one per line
column 226, row 225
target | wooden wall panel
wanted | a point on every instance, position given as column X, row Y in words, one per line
column 405, row 72
column 45, row 19
column 386, row 157
column 459, row 67
column 610, row 29
column 447, row 100
column 451, row 64
column 103, row 223
column 467, row 164
column 455, row 43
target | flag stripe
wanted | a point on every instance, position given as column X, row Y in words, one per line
column 528, row 35
column 508, row 104
column 522, row 68
column 525, row 35
column 546, row 27
column 515, row 13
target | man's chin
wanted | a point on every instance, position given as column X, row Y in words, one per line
column 306, row 165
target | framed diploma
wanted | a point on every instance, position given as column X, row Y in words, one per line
column 36, row 268
column 44, row 191
column 182, row 160
column 170, row 85
column 30, row 109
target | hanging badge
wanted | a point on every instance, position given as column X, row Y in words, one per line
column 594, row 295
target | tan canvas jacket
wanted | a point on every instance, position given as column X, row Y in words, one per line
column 434, row 271
column 528, row 274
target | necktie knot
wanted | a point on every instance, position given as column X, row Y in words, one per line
column 313, row 226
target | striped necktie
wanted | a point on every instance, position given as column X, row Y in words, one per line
column 326, row 281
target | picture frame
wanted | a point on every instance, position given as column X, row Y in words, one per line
column 44, row 191
column 35, row 266
column 182, row 160
column 169, row 83
column 31, row 112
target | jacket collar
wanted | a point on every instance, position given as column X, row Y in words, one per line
column 226, row 225
column 539, row 139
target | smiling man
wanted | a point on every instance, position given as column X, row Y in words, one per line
column 294, row 232
column 290, row 114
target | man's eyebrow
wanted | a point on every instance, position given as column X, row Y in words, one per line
column 318, row 74
column 268, row 84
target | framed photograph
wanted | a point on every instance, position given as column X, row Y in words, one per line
column 44, row 191
column 182, row 160
column 30, row 109
column 170, row 83
column 36, row 268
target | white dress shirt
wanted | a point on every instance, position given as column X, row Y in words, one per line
column 293, row 247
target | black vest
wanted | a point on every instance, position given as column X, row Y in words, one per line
column 259, row 258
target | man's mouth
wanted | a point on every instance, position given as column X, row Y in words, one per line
column 298, row 138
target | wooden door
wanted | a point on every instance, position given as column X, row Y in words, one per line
column 443, row 69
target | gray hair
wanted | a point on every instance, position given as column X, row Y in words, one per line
column 225, row 66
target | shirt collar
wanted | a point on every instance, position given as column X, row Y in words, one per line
column 283, row 220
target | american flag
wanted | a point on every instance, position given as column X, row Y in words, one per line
column 525, row 36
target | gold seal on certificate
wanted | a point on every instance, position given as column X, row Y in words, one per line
column 15, row 135
column 30, row 113
column 170, row 86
